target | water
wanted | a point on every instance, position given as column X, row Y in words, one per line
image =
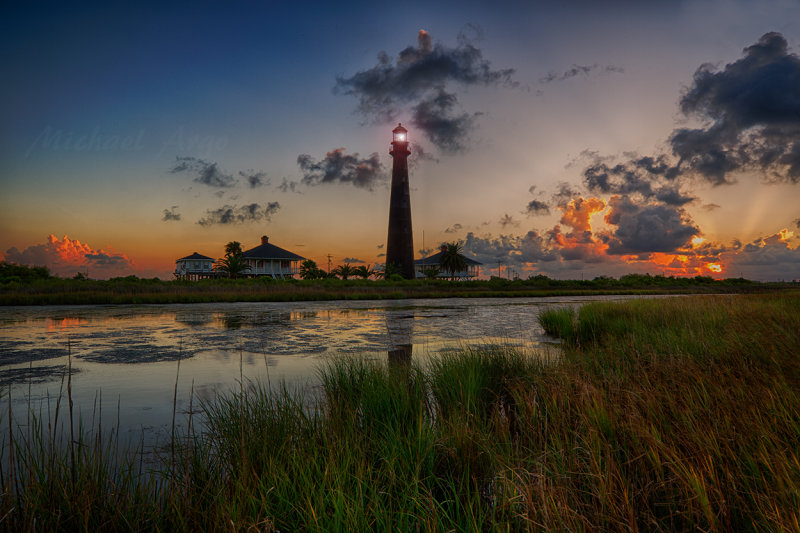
column 125, row 359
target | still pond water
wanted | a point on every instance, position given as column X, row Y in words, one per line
column 125, row 358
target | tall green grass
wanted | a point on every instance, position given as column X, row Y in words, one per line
column 672, row 414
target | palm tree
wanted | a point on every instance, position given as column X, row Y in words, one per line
column 233, row 248
column 309, row 270
column 431, row 272
column 452, row 261
column 344, row 271
column 363, row 271
column 233, row 264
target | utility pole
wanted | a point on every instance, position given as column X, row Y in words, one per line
column 329, row 263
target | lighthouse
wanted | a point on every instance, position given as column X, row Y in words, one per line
column 400, row 243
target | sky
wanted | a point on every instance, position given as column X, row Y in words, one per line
column 573, row 139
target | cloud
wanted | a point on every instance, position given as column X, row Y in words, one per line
column 449, row 131
column 419, row 79
column 418, row 154
column 579, row 70
column 66, row 256
column 254, row 178
column 288, row 186
column 644, row 228
column 171, row 214
column 352, row 260
column 765, row 258
column 239, row 215
column 508, row 220
column 508, row 249
column 103, row 260
column 205, row 172
column 455, row 228
column 564, row 193
column 537, row 207
column 580, row 243
column 751, row 108
column 339, row 167
column 647, row 177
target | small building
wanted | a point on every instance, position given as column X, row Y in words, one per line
column 270, row 260
column 472, row 271
column 194, row 267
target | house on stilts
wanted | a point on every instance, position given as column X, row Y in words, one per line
column 263, row 260
column 194, row 267
column 270, row 260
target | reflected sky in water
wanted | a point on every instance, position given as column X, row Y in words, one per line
column 129, row 355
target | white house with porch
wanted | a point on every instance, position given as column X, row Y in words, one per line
column 194, row 267
column 270, row 260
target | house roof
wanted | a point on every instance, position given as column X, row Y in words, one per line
column 436, row 260
column 270, row 251
column 195, row 256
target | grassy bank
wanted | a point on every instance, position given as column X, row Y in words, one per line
column 132, row 290
column 675, row 415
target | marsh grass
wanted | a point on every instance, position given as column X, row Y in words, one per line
column 133, row 290
column 671, row 414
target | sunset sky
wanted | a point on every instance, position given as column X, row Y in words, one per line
column 568, row 138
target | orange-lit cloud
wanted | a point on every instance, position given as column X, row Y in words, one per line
column 66, row 257
column 577, row 213
column 580, row 243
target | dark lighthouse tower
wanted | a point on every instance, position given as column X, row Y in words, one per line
column 400, row 244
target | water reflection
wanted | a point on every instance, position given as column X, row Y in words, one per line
column 400, row 330
column 130, row 353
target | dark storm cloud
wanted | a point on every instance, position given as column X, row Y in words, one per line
column 418, row 79
column 205, row 172
column 751, row 114
column 254, row 178
column 508, row 249
column 672, row 196
column 455, row 228
column 171, row 214
column 447, row 129
column 651, row 178
column 579, row 70
column 352, row 260
column 752, row 110
column 647, row 227
column 239, row 215
column 339, row 167
column 537, row 207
